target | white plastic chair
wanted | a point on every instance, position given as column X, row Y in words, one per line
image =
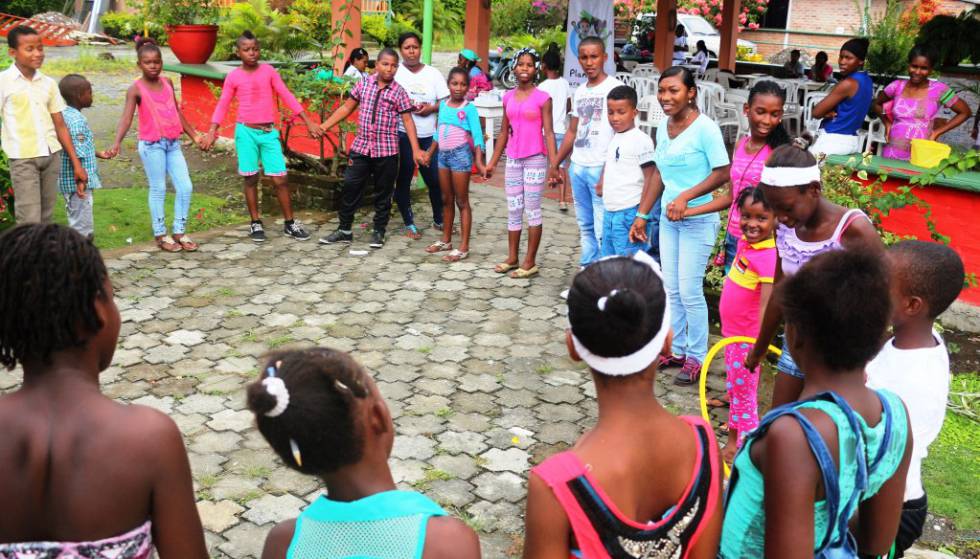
column 710, row 94
column 646, row 71
column 651, row 115
column 625, row 77
column 809, row 123
column 876, row 135
column 645, row 86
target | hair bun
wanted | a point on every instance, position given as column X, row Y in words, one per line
column 143, row 41
column 259, row 400
column 803, row 141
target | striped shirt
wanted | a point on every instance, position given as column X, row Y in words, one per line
column 82, row 139
column 26, row 106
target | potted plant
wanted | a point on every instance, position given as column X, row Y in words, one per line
column 191, row 27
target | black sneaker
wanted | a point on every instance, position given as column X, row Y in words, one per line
column 336, row 237
column 377, row 240
column 296, row 231
column 256, row 232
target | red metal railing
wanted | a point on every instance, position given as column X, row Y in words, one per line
column 52, row 34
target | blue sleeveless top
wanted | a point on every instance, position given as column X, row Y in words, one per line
column 388, row 525
column 851, row 112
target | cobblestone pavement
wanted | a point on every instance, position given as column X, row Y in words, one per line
column 473, row 364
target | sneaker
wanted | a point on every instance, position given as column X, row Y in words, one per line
column 256, row 232
column 336, row 237
column 377, row 240
column 689, row 372
column 672, row 361
column 296, row 231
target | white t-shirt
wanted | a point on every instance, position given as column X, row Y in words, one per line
column 680, row 55
column 427, row 85
column 622, row 181
column 558, row 90
column 594, row 131
column 353, row 72
column 920, row 377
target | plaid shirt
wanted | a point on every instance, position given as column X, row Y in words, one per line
column 377, row 121
column 82, row 139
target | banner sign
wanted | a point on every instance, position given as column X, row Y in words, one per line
column 587, row 18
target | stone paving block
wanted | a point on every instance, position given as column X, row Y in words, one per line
column 164, row 405
column 510, row 460
column 407, row 472
column 244, row 541
column 451, row 493
column 466, row 442
column 219, row 516
column 215, row 442
column 501, row 516
column 283, row 480
column 269, row 508
column 205, row 464
column 505, row 485
column 228, row 420
column 202, row 403
column 415, row 447
column 164, row 354
column 235, row 487
column 459, row 466
column 185, row 337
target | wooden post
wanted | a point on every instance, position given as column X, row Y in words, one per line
column 729, row 35
column 477, row 33
column 339, row 10
column 663, row 43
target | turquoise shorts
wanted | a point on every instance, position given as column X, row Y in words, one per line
column 256, row 146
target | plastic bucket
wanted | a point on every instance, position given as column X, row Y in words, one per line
column 928, row 154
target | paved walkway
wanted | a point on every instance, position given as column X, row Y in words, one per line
column 473, row 364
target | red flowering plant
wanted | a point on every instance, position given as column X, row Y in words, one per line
column 6, row 193
column 750, row 14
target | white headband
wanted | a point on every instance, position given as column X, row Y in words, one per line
column 789, row 176
column 638, row 360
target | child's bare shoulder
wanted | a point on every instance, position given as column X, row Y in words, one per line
column 147, row 429
column 449, row 537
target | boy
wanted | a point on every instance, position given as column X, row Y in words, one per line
column 628, row 172
column 33, row 130
column 589, row 132
column 793, row 68
column 925, row 279
column 375, row 147
column 77, row 92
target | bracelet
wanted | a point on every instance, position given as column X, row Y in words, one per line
column 644, row 217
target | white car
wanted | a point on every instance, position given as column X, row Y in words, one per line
column 698, row 29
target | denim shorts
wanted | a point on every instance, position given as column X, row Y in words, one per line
column 787, row 365
column 458, row 160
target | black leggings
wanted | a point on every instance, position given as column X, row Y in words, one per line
column 403, row 184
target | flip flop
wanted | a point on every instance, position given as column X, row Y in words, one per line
column 438, row 246
column 455, row 256
column 718, row 403
column 168, row 244
column 521, row 273
column 504, row 267
column 186, row 243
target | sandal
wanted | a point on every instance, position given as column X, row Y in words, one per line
column 521, row 273
column 718, row 403
column 438, row 246
column 455, row 256
column 167, row 244
column 563, row 206
column 186, row 243
column 412, row 232
column 504, row 267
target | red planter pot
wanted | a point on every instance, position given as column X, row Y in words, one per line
column 192, row 44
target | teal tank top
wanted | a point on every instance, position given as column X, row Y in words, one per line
column 388, row 525
column 744, row 531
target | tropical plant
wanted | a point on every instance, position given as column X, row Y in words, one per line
column 509, row 17
column 384, row 32
column 444, row 20
column 27, row 8
column 891, row 37
column 953, row 38
column 750, row 14
column 314, row 17
column 538, row 42
column 6, row 191
column 280, row 35
column 183, row 12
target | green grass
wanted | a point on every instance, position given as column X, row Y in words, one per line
column 87, row 62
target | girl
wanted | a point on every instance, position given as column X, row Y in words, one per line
column 161, row 124
column 323, row 415
column 844, row 108
column 809, row 224
column 598, row 500
column 691, row 162
column 821, row 71
column 908, row 107
column 479, row 81
column 256, row 87
column 561, row 104
column 527, row 118
column 84, row 475
column 356, row 66
column 701, row 57
column 844, row 449
column 426, row 86
column 459, row 139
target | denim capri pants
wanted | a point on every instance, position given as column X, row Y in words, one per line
column 787, row 365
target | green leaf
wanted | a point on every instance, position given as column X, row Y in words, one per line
column 862, row 174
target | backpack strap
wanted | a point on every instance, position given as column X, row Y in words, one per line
column 887, row 410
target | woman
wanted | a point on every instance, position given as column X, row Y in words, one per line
column 680, row 45
column 821, row 71
column 701, row 58
column 908, row 107
column 426, row 86
column 844, row 109
column 356, row 66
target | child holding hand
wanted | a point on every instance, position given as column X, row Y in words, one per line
column 77, row 92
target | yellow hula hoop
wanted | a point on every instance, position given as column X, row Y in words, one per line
column 703, row 381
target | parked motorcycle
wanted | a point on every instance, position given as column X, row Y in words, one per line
column 500, row 71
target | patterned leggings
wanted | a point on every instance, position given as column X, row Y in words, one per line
column 743, row 386
column 523, row 182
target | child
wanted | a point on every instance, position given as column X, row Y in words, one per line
column 256, row 87
column 84, row 475
column 479, row 82
column 925, row 279
column 161, row 123
column 587, row 139
column 375, row 147
column 609, row 496
column 809, row 225
column 845, row 107
column 33, row 130
column 821, row 71
column 744, row 297
column 356, row 66
column 459, row 141
column 627, row 175
column 77, row 93
column 527, row 122
column 790, row 495
column 701, row 57
column 692, row 161
column 793, row 68
column 324, row 416
column 557, row 88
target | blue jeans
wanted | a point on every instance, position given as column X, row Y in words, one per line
column 731, row 247
column 403, row 182
column 588, row 210
column 685, row 247
column 458, row 160
column 616, row 233
column 160, row 159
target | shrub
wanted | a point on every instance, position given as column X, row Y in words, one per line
column 6, row 191
column 314, row 17
column 947, row 35
column 510, row 17
column 184, row 12
column 386, row 34
column 892, row 35
column 280, row 34
column 750, row 14
column 444, row 20
column 26, row 8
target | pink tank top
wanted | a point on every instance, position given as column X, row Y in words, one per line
column 602, row 531
column 526, row 128
column 794, row 252
column 157, row 112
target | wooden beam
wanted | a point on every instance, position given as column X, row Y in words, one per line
column 728, row 50
column 476, row 35
column 339, row 10
column 663, row 43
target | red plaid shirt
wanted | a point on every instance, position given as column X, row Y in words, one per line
column 377, row 121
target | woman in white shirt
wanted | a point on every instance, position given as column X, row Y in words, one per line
column 357, row 63
column 680, row 45
column 701, row 58
column 557, row 88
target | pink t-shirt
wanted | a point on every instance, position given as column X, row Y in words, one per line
column 526, row 129
column 746, row 170
column 157, row 111
column 256, row 92
column 754, row 265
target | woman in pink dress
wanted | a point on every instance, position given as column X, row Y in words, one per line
column 909, row 107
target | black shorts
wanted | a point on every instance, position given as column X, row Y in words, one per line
column 911, row 525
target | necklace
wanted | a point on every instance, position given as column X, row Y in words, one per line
column 678, row 128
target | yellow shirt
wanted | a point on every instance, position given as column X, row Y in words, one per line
column 26, row 106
